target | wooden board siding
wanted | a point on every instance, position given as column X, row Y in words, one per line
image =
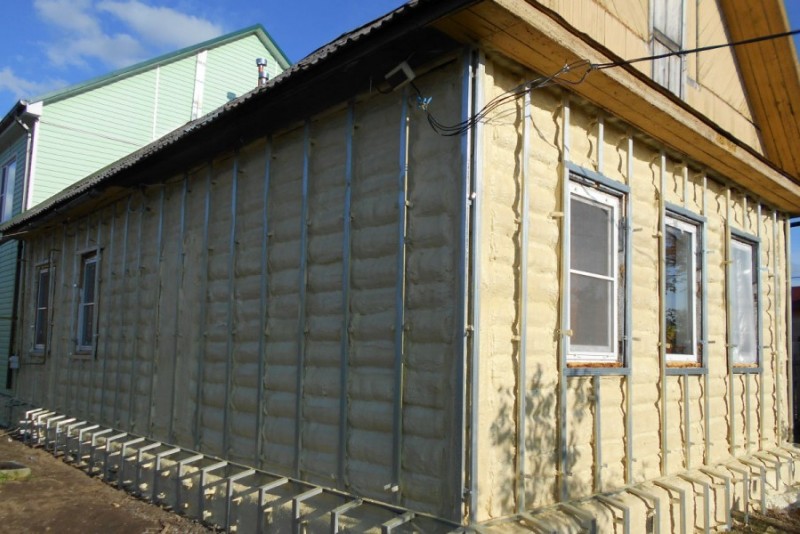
column 711, row 85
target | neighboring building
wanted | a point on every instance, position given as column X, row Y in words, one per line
column 53, row 140
column 499, row 289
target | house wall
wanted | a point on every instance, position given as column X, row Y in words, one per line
column 8, row 252
column 616, row 432
column 711, row 85
column 250, row 310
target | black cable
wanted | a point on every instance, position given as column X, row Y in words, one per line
column 601, row 66
column 557, row 77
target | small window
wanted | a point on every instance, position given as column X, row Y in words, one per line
column 595, row 289
column 42, row 309
column 87, row 305
column 683, row 291
column 7, row 177
column 668, row 37
column 744, row 302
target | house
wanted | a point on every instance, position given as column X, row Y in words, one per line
column 53, row 140
column 433, row 267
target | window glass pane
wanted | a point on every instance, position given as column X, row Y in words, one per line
column 44, row 284
column 591, row 312
column 743, row 304
column 88, row 281
column 87, row 326
column 591, row 236
column 679, row 291
column 41, row 327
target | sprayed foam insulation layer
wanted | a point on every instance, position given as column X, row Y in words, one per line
column 684, row 404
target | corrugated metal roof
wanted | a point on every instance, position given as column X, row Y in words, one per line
column 320, row 56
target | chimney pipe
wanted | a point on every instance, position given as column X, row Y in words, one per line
column 261, row 63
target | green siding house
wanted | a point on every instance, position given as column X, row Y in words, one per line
column 53, row 140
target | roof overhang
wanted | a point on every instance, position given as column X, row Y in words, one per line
column 539, row 39
column 770, row 73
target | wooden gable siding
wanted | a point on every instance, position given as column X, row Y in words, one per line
column 231, row 70
column 711, row 85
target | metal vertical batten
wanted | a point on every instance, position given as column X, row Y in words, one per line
column 197, row 429
column 124, row 308
column 263, row 304
column 628, row 322
column 789, row 348
column 400, row 296
column 523, row 306
column 462, row 296
column 179, row 282
column 138, row 307
column 476, row 193
column 344, row 354
column 226, row 419
column 729, row 324
column 107, row 340
column 302, row 289
column 157, row 337
column 565, row 306
column 662, row 331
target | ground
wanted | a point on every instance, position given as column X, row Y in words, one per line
column 62, row 498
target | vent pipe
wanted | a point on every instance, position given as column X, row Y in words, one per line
column 261, row 63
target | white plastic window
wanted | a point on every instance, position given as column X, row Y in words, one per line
column 744, row 302
column 593, row 274
column 682, row 298
column 87, row 303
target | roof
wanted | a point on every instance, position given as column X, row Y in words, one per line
column 771, row 75
column 164, row 59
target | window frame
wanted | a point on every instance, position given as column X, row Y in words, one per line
column 743, row 238
column 42, row 268
column 659, row 37
column 8, row 180
column 86, row 258
column 583, row 362
column 695, row 224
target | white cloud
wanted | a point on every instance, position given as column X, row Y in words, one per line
column 22, row 88
column 90, row 30
column 161, row 25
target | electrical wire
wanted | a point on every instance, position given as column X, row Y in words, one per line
column 559, row 77
column 601, row 66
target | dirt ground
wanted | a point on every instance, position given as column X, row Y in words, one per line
column 60, row 498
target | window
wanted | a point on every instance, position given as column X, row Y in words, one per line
column 744, row 302
column 683, row 294
column 595, row 288
column 668, row 37
column 7, row 177
column 87, row 304
column 42, row 309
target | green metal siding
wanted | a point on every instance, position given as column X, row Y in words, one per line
column 80, row 135
column 232, row 69
column 175, row 92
